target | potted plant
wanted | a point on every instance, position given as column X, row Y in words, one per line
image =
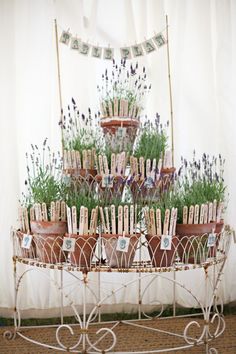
column 199, row 194
column 160, row 217
column 200, row 191
column 81, row 143
column 111, row 173
column 46, row 190
column 82, row 224
column 152, row 141
column 121, row 102
column 151, row 163
column 161, row 236
column 119, row 233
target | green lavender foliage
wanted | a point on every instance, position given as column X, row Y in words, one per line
column 197, row 182
column 152, row 141
column 82, row 195
column 44, row 182
column 124, row 82
column 78, row 131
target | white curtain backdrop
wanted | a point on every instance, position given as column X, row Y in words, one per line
column 203, row 56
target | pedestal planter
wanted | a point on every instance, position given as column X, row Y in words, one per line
column 48, row 237
column 119, row 259
column 84, row 250
column 161, row 258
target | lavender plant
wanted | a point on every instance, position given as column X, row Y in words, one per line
column 82, row 195
column 199, row 182
column 151, row 140
column 78, row 131
column 44, row 181
column 126, row 83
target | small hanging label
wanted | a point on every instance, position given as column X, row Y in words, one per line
column 123, row 244
column 26, row 241
column 149, row 183
column 107, row 181
column 166, row 241
column 121, row 132
column 68, row 244
column 211, row 240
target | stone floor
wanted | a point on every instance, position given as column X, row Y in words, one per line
column 129, row 338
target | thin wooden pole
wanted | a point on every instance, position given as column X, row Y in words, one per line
column 170, row 91
column 59, row 83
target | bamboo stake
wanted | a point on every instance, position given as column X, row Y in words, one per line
column 170, row 90
column 59, row 82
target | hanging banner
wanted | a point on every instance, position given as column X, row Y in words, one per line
column 129, row 52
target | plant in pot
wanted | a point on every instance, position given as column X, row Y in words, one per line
column 160, row 218
column 151, row 164
column 82, row 142
column 44, row 203
column 120, row 234
column 111, row 173
column 121, row 101
column 82, row 218
column 199, row 194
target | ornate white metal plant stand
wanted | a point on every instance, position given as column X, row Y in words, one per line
column 91, row 335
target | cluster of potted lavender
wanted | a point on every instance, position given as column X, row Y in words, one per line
column 115, row 179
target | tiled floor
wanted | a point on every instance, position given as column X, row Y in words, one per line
column 129, row 338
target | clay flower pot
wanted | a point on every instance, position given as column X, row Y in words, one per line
column 85, row 246
column 194, row 229
column 192, row 247
column 161, row 258
column 48, row 237
column 119, row 259
column 110, row 128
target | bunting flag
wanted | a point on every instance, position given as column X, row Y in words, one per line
column 129, row 52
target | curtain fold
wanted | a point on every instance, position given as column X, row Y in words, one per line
column 202, row 49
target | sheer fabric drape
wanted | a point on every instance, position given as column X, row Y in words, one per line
column 202, row 49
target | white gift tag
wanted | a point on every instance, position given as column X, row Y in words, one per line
column 149, row 183
column 121, row 132
column 26, row 241
column 122, row 244
column 211, row 240
column 166, row 241
column 107, row 181
column 68, row 244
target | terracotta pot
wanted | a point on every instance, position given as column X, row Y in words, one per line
column 111, row 124
column 110, row 127
column 85, row 246
column 194, row 229
column 193, row 241
column 219, row 226
column 161, row 258
column 119, row 259
column 168, row 171
column 23, row 252
column 48, row 236
column 82, row 172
